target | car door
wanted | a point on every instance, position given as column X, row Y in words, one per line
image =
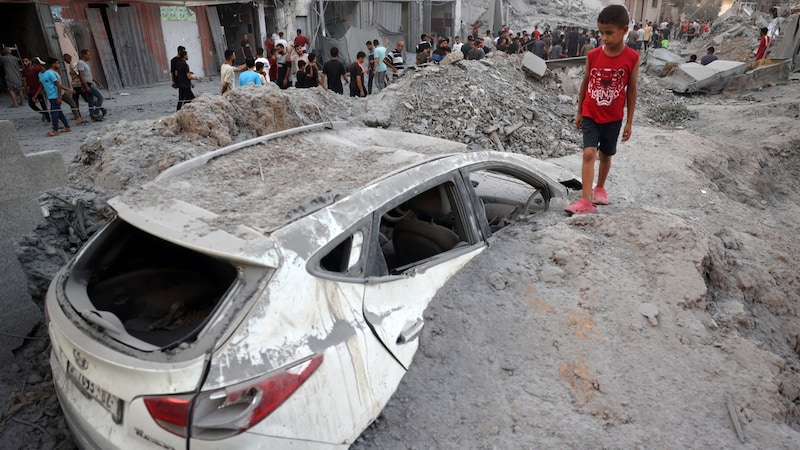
column 396, row 297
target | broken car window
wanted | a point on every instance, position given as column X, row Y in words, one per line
column 424, row 226
column 505, row 198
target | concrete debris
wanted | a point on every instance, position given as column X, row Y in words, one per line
column 671, row 114
column 22, row 178
column 533, row 65
column 766, row 72
column 709, row 79
column 650, row 311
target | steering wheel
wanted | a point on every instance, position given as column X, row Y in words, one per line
column 396, row 215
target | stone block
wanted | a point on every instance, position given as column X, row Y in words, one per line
column 453, row 57
column 22, row 180
column 533, row 65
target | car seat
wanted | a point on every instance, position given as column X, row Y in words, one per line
column 418, row 237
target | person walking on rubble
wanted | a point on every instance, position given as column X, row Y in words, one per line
column 608, row 86
column 763, row 44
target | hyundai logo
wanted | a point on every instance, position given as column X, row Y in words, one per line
column 80, row 361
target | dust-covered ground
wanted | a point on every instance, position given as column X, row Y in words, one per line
column 657, row 323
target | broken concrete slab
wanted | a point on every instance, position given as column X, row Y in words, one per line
column 452, row 58
column 578, row 61
column 697, row 78
column 22, row 179
column 761, row 73
column 533, row 65
column 658, row 58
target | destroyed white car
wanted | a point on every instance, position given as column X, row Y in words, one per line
column 271, row 294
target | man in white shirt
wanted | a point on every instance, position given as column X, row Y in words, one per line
column 260, row 59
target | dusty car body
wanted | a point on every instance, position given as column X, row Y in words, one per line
column 271, row 294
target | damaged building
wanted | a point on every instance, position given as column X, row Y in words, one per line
column 132, row 42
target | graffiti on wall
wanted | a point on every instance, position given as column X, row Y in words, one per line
column 177, row 13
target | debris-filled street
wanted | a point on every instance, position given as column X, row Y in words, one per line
column 668, row 320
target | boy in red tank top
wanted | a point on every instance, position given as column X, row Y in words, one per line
column 609, row 84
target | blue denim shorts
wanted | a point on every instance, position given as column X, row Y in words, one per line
column 602, row 136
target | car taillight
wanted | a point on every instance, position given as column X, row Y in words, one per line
column 170, row 413
column 229, row 411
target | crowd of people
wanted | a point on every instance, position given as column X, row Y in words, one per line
column 39, row 83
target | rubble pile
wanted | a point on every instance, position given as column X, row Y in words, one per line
column 671, row 114
column 72, row 216
column 487, row 104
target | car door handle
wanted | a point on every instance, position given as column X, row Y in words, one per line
column 411, row 332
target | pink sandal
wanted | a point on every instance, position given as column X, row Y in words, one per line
column 582, row 206
column 599, row 196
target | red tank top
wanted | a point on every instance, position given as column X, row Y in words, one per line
column 606, row 94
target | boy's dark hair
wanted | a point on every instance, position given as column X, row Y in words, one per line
column 312, row 57
column 228, row 54
column 181, row 48
column 710, row 49
column 182, row 53
column 361, row 55
column 260, row 66
column 614, row 15
column 376, row 42
column 423, row 36
column 301, row 64
column 51, row 61
column 250, row 62
column 334, row 52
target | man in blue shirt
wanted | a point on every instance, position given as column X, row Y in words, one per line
column 53, row 88
column 249, row 76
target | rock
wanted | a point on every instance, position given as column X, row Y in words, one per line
column 497, row 281
column 533, row 65
column 650, row 311
column 452, row 58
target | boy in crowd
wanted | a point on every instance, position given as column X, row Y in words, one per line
column 609, row 85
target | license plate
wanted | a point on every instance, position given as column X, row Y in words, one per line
column 110, row 402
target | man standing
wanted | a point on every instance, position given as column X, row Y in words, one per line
column 33, row 88
column 183, row 78
column 261, row 59
column 53, row 88
column 91, row 88
column 370, row 65
column 284, row 65
column 300, row 41
column 247, row 50
column 357, row 76
column 13, row 76
column 299, row 55
column 397, row 60
column 334, row 70
column 227, row 72
column 380, row 66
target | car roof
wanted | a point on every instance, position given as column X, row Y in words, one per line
column 255, row 189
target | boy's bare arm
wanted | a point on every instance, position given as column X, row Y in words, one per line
column 582, row 95
column 632, row 94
